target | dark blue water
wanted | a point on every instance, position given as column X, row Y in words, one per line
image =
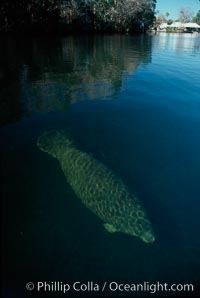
column 131, row 102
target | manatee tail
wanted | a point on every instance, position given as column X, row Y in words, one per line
column 54, row 141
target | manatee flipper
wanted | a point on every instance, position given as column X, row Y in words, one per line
column 110, row 228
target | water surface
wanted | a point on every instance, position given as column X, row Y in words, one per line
column 131, row 102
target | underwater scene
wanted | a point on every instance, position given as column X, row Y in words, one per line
column 100, row 165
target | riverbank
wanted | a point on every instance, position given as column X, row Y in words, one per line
column 73, row 29
column 64, row 17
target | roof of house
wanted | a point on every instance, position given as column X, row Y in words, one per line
column 191, row 25
column 163, row 26
column 176, row 25
column 179, row 25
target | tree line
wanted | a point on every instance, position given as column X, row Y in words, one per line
column 185, row 16
column 76, row 15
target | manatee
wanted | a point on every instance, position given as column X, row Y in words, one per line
column 98, row 187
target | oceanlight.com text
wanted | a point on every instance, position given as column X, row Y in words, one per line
column 90, row 286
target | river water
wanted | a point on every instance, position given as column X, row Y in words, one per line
column 133, row 103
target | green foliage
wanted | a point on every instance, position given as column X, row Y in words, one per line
column 196, row 18
column 169, row 22
column 100, row 15
column 170, row 30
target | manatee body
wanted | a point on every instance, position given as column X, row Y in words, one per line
column 98, row 187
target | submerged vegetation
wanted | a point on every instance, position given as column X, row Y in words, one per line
column 40, row 16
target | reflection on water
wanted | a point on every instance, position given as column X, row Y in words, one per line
column 178, row 42
column 133, row 104
column 52, row 74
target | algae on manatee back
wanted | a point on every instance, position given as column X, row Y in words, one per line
column 98, row 187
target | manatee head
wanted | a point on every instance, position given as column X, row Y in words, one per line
column 139, row 227
column 53, row 142
column 148, row 236
column 142, row 228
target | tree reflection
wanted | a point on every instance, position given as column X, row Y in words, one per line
column 51, row 74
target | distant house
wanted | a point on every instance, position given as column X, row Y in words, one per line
column 192, row 26
column 179, row 27
column 163, row 26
